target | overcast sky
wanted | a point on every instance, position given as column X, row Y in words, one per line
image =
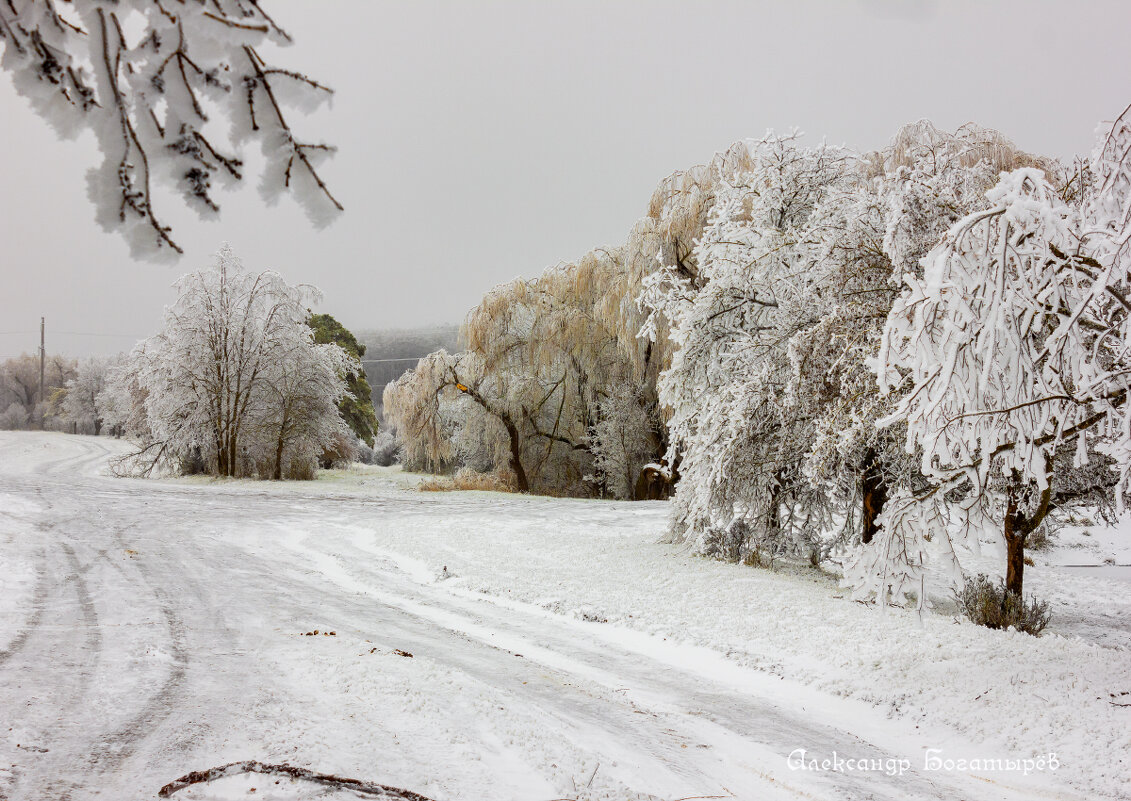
column 480, row 141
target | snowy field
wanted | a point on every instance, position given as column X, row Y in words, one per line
column 558, row 651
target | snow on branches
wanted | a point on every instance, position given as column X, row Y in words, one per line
column 771, row 339
column 234, row 385
column 153, row 80
column 1012, row 345
column 980, row 337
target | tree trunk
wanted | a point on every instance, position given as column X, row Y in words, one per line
column 278, row 472
column 1018, row 527
column 516, row 456
column 875, row 494
column 773, row 514
column 1014, row 545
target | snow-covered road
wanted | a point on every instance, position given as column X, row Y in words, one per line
column 151, row 628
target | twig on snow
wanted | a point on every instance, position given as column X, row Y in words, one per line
column 251, row 766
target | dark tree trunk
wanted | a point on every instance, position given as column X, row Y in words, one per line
column 1014, row 545
column 773, row 514
column 516, row 455
column 875, row 494
column 278, row 472
column 1017, row 528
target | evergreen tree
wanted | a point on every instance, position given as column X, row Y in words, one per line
column 356, row 407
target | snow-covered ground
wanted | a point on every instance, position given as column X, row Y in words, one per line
column 151, row 628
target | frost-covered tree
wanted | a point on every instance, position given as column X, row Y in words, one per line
column 172, row 91
column 19, row 386
column 82, row 402
column 448, row 410
column 122, row 400
column 623, row 440
column 1014, row 342
column 300, row 414
column 771, row 399
column 763, row 333
column 235, row 381
column 530, row 395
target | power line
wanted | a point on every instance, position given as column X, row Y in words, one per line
column 381, row 361
column 78, row 334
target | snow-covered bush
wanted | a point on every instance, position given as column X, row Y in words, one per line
column 384, row 449
column 992, row 605
column 14, row 418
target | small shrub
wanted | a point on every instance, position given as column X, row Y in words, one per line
column 992, row 605
column 728, row 543
column 342, row 451
column 754, row 559
column 468, row 479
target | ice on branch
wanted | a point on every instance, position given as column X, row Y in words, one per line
column 158, row 83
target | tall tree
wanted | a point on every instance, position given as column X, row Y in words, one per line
column 1015, row 344
column 235, row 378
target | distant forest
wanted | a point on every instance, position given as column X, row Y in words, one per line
column 406, row 345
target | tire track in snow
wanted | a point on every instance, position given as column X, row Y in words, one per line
column 117, row 746
column 38, row 601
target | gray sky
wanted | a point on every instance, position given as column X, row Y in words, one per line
column 480, row 141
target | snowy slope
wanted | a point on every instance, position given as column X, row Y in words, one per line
column 558, row 652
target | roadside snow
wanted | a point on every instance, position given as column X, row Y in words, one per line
column 1009, row 693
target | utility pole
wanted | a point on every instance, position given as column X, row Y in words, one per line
column 42, row 356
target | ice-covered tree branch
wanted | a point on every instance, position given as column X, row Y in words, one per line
column 156, row 96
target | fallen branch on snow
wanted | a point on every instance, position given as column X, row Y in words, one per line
column 250, row 766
